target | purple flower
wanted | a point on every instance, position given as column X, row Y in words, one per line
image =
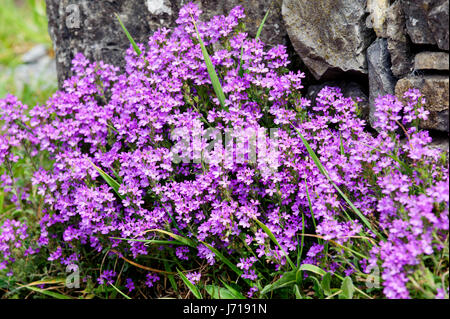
column 151, row 279
column 107, row 277
column 194, row 277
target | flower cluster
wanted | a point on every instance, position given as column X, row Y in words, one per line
column 12, row 236
column 119, row 126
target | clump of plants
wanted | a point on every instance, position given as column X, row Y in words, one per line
column 202, row 170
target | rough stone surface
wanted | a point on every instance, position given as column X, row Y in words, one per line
column 417, row 23
column 381, row 79
column 438, row 22
column 348, row 89
column 441, row 143
column 427, row 21
column 330, row 36
column 91, row 27
column 399, row 45
column 435, row 89
column 431, row 61
column 377, row 10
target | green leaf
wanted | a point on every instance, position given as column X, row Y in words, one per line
column 130, row 38
column 237, row 294
column 272, row 237
column 317, row 287
column 190, row 285
column 347, row 289
column 109, row 180
column 48, row 293
column 288, row 279
column 212, row 72
column 326, row 284
column 298, row 295
column 217, row 292
column 312, row 268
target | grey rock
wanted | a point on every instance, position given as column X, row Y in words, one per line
column 273, row 32
column 91, row 27
column 38, row 75
column 427, row 21
column 402, row 59
column 435, row 89
column 431, row 61
column 36, row 53
column 438, row 22
column 381, row 79
column 348, row 89
column 416, row 12
column 441, row 143
column 399, row 45
column 330, row 37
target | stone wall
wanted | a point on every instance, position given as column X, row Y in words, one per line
column 367, row 47
column 411, row 51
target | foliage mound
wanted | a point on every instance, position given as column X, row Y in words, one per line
column 119, row 172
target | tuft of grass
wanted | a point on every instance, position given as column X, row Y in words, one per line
column 211, row 71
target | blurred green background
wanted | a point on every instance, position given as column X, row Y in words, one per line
column 23, row 29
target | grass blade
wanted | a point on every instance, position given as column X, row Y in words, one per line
column 341, row 144
column 120, row 292
column 2, row 198
column 130, row 38
column 325, row 173
column 211, row 71
column 109, row 180
column 300, row 251
column 179, row 238
column 48, row 293
column 190, row 285
column 224, row 259
column 258, row 34
column 261, row 26
column 310, row 205
column 171, row 277
column 272, row 237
